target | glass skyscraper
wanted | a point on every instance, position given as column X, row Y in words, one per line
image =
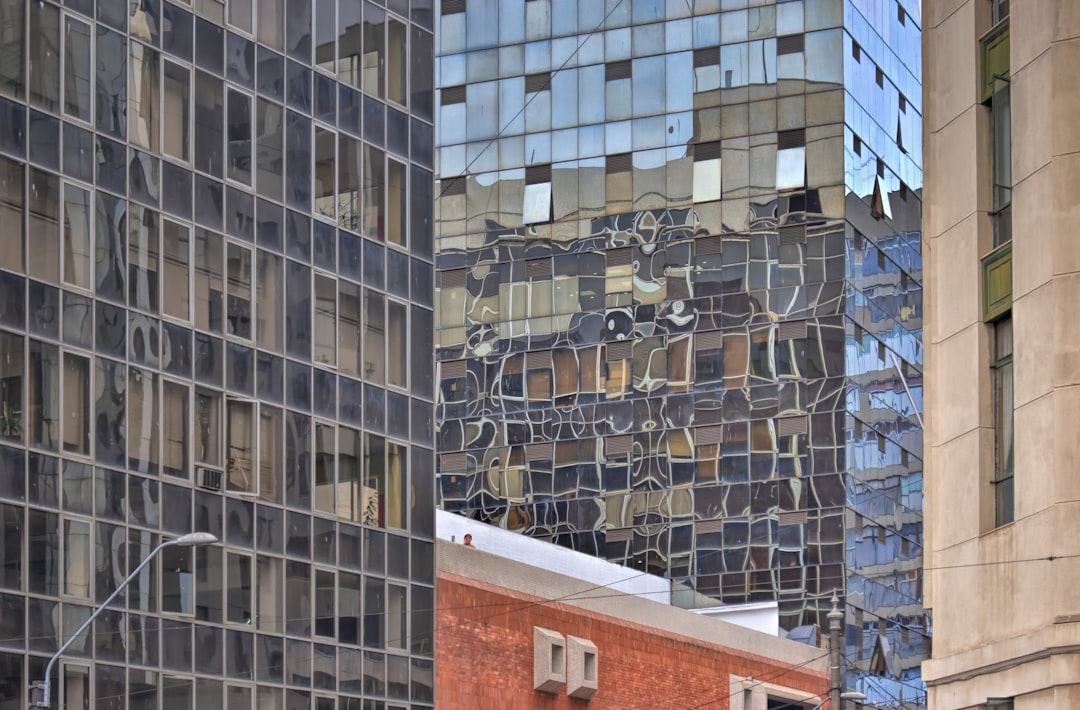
column 678, row 301
column 216, row 291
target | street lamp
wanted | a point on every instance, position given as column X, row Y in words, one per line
column 847, row 695
column 40, row 690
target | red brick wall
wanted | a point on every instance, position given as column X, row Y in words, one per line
column 484, row 656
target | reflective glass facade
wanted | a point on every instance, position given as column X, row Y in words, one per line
column 678, row 300
column 216, row 291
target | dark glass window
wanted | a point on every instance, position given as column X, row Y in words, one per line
column 1001, row 125
column 269, row 136
column 44, row 49
column 422, row 54
column 239, row 137
column 298, row 30
column 77, row 68
column 111, row 82
column 210, row 46
column 298, row 162
column 78, row 153
column 12, row 45
column 271, row 74
column 209, row 123
column 1003, row 421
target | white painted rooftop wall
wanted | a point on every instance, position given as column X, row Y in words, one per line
column 555, row 558
column 764, row 617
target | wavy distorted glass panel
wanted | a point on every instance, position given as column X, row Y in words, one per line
column 678, row 304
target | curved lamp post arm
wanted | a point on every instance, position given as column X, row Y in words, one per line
column 185, row 540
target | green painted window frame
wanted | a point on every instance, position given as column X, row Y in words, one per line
column 994, row 57
column 997, row 282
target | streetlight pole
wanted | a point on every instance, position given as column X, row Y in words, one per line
column 41, row 690
column 835, row 616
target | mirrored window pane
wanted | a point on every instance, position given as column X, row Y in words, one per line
column 270, row 596
column 44, row 226
column 77, row 68
column 44, row 47
column 110, row 99
column 298, row 310
column 239, row 137
column 77, row 237
column 240, row 440
column 271, row 462
column 397, row 492
column 396, row 203
column 374, row 59
column 207, row 427
column 142, row 422
column 374, row 621
column 325, row 22
column 209, row 123
column 240, row 14
column 298, row 599
column 349, row 40
column 349, row 474
column 43, row 398
column 143, row 258
column 143, row 99
column 175, row 411
column 209, row 280
column 298, row 162
column 77, row 548
column 238, row 583
column 348, row 188
column 269, row 18
column 374, row 337
column 397, row 616
column 176, row 270
column 298, row 30
column 177, row 579
column 270, row 293
column 270, row 161
column 109, row 251
column 12, row 46
column 348, row 322
column 326, row 339
column 11, row 213
column 325, row 468
column 422, row 53
column 374, row 185
column 325, row 172
column 374, row 501
column 76, row 404
column 791, row 168
column 397, row 87
column 397, row 330
column 238, row 309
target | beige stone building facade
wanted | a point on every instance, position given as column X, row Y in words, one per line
column 1002, row 263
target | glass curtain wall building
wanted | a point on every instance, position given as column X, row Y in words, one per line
column 216, row 291
column 678, row 300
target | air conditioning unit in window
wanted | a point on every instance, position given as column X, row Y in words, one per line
column 208, row 478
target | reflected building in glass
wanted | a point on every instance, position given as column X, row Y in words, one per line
column 216, row 292
column 678, row 306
